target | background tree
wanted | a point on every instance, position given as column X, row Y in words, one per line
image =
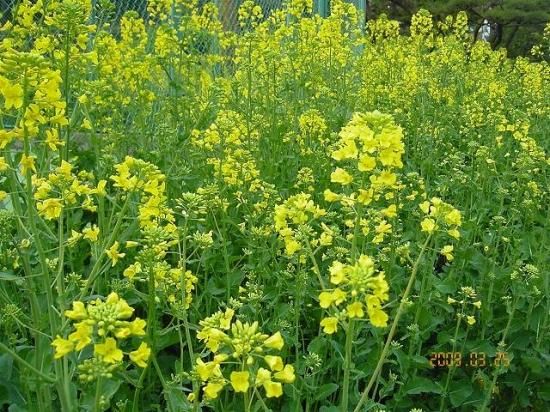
column 515, row 24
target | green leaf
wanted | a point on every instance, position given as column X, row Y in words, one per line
column 329, row 409
column 9, row 277
column 421, row 385
column 325, row 391
column 462, row 391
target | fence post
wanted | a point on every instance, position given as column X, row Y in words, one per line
column 321, row 7
column 227, row 10
column 362, row 9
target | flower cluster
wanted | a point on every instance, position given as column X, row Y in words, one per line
column 294, row 213
column 358, row 287
column 63, row 188
column 242, row 345
column 440, row 215
column 229, row 145
column 468, row 299
column 370, row 149
column 103, row 324
column 28, row 84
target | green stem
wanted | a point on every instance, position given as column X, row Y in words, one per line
column 451, row 366
column 98, row 263
column 393, row 329
column 347, row 365
column 487, row 398
column 97, row 398
column 23, row 362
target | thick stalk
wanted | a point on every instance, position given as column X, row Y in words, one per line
column 451, row 366
column 347, row 365
column 487, row 398
column 393, row 329
column 23, row 362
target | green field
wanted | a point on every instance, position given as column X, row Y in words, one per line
column 303, row 214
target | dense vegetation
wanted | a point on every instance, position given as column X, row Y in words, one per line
column 306, row 215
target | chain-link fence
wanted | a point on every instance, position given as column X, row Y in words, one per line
column 228, row 9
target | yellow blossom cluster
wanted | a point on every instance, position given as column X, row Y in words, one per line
column 370, row 149
column 439, row 216
column 105, row 325
column 467, row 302
column 62, row 188
column 358, row 290
column 242, row 345
column 158, row 230
column 28, row 84
column 294, row 213
column 230, row 146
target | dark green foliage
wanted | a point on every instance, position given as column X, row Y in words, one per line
column 516, row 24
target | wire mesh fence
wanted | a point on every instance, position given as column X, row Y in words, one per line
column 228, row 9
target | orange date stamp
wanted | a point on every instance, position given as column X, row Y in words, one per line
column 472, row 359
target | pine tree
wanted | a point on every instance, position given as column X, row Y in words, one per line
column 516, row 24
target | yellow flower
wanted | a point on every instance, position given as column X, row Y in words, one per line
column 330, row 325
column 447, row 251
column 341, row 176
column 141, row 355
column 292, row 246
column 273, row 389
column 100, row 189
column 113, row 253
column 453, row 218
column 450, row 300
column 82, row 336
column 325, row 299
column 330, row 196
column 50, row 208
column 62, row 347
column 3, row 195
column 91, row 233
column 131, row 271
column 428, row 225
column 470, row 320
column 212, row 390
column 337, row 272
column 347, row 151
column 355, row 310
column 3, row 164
column 425, row 206
column 262, row 376
column 454, row 233
column 477, row 304
column 275, row 341
column 207, row 370
column 239, row 381
column 27, row 163
column 286, row 375
column 78, row 313
column 365, row 196
column 123, row 310
column 338, row 296
column 366, row 163
column 75, row 237
column 378, row 318
column 137, row 327
column 386, row 178
column 275, row 363
column 52, row 139
column 108, row 351
column 13, row 96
